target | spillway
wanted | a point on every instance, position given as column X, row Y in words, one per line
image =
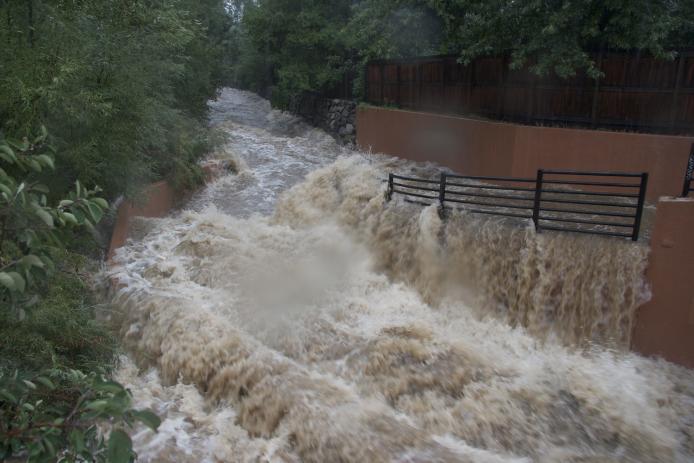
column 289, row 313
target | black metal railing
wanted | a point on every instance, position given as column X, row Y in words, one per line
column 689, row 175
column 567, row 201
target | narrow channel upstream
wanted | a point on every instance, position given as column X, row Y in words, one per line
column 288, row 313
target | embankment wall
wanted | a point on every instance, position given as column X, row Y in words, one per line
column 665, row 325
column 478, row 147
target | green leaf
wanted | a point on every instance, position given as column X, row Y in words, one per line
column 119, row 447
column 7, row 154
column 79, row 215
column 45, row 382
column 19, row 283
column 20, row 145
column 95, row 211
column 29, row 384
column 65, row 203
column 42, row 136
column 50, row 448
column 7, row 281
column 108, row 386
column 45, row 216
column 48, row 262
column 97, row 405
column 148, row 418
column 78, row 188
column 46, row 160
column 41, row 188
column 8, row 395
column 32, row 260
column 33, row 163
column 69, row 218
column 103, row 204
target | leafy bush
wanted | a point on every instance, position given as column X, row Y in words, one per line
column 59, row 330
column 66, row 416
column 31, row 229
column 122, row 85
column 47, row 324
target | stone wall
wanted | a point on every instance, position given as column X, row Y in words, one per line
column 335, row 116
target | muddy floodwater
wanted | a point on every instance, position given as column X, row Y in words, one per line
column 288, row 313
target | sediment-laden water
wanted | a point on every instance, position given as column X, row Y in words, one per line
column 290, row 313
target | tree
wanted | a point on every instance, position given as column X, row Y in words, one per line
column 558, row 35
column 121, row 85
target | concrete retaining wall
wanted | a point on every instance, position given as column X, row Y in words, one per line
column 476, row 147
column 665, row 325
column 158, row 199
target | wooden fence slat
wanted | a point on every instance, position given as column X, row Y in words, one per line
column 637, row 92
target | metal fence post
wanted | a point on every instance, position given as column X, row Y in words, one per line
column 538, row 199
column 639, row 206
column 688, row 174
column 442, row 195
column 389, row 193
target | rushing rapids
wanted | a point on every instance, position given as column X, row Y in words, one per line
column 290, row 313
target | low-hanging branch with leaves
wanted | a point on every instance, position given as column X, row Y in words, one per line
column 31, row 229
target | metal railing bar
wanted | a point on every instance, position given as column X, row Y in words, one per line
column 478, row 195
column 504, row 179
column 415, row 194
column 590, row 203
column 504, row 214
column 607, row 214
column 490, row 187
column 414, row 201
column 477, row 203
column 639, row 207
column 587, row 222
column 589, row 193
column 412, row 179
column 483, row 195
column 589, row 232
column 592, row 173
column 415, row 187
column 576, row 182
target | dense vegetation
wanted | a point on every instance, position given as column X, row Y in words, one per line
column 97, row 98
column 121, row 85
column 285, row 47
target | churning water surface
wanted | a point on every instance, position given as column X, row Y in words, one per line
column 290, row 314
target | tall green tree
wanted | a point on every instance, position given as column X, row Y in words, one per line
column 292, row 46
column 121, row 85
column 558, row 35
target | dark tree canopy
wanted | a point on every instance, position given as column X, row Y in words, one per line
column 292, row 46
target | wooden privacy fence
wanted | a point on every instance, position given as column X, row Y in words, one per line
column 637, row 92
column 596, row 203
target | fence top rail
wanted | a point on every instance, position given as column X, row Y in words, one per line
column 588, row 193
column 504, row 179
column 413, row 179
column 483, row 186
column 593, row 173
column 602, row 184
column 567, row 216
